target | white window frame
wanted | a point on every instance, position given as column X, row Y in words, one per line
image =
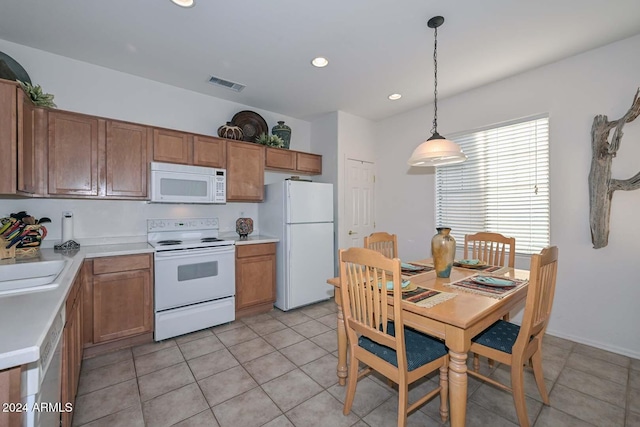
column 489, row 184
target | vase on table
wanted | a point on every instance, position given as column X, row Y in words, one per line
column 284, row 132
column 443, row 250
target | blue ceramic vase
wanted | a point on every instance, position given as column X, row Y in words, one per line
column 284, row 132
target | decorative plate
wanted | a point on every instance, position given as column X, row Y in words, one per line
column 494, row 282
column 11, row 70
column 251, row 123
column 470, row 263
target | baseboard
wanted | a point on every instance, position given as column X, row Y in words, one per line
column 597, row 344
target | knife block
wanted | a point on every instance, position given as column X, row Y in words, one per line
column 4, row 252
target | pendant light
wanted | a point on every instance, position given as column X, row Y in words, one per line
column 437, row 150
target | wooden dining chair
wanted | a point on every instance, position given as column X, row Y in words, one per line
column 515, row 345
column 490, row 248
column 373, row 339
column 385, row 243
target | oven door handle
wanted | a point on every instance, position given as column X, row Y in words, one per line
column 184, row 253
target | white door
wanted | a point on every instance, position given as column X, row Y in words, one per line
column 310, row 264
column 308, row 202
column 359, row 199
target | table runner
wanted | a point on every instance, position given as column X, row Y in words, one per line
column 425, row 297
column 468, row 285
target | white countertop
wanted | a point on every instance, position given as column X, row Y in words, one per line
column 251, row 239
column 25, row 319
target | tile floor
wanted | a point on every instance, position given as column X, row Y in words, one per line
column 278, row 369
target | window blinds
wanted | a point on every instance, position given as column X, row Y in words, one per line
column 503, row 187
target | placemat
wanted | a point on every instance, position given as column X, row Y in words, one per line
column 425, row 297
column 486, row 268
column 468, row 285
column 420, row 269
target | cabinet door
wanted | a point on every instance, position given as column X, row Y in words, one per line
column 122, row 305
column 245, row 172
column 255, row 281
column 127, row 148
column 8, row 137
column 309, row 163
column 32, row 137
column 278, row 158
column 74, row 144
column 171, row 146
column 208, row 151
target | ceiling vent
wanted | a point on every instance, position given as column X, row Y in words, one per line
column 226, row 83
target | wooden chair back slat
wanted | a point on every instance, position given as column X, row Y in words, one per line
column 490, row 248
column 385, row 243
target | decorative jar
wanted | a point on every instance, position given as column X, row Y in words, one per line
column 230, row 131
column 284, row 132
column 443, row 250
column 244, row 227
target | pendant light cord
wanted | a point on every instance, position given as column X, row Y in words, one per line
column 434, row 129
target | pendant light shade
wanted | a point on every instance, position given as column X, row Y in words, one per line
column 437, row 150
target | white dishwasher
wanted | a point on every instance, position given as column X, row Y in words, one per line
column 41, row 381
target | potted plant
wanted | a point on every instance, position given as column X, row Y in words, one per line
column 36, row 94
column 270, row 140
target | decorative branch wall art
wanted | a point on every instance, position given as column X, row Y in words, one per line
column 601, row 185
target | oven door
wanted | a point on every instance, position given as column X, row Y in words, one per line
column 190, row 276
column 177, row 187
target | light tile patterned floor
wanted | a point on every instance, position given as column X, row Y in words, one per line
column 278, row 369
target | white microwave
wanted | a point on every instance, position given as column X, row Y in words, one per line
column 172, row 183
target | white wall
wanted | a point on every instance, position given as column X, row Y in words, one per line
column 95, row 90
column 597, row 294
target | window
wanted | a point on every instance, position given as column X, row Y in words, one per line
column 503, row 187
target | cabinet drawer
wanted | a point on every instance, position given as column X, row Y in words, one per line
column 121, row 263
column 243, row 251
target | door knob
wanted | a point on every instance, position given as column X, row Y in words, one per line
column 352, row 232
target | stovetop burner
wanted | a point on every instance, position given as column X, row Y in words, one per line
column 210, row 239
column 169, row 242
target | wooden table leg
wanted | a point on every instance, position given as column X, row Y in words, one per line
column 342, row 345
column 458, row 348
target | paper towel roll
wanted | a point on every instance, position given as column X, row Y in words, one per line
column 67, row 227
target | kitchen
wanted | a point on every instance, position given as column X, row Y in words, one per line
column 99, row 222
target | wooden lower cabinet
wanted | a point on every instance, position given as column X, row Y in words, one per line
column 255, row 278
column 122, row 297
column 10, row 393
column 72, row 348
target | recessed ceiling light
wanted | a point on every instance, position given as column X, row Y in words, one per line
column 394, row 96
column 185, row 3
column 320, row 62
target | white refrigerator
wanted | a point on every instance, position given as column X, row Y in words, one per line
column 300, row 214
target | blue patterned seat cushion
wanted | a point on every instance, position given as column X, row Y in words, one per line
column 500, row 336
column 421, row 348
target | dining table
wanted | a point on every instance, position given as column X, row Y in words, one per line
column 455, row 321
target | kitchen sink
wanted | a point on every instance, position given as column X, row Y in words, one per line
column 23, row 277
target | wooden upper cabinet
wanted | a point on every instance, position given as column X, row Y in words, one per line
column 74, row 144
column 172, row 146
column 32, row 137
column 245, row 172
column 280, row 159
column 209, row 151
column 8, row 136
column 127, row 159
column 308, row 163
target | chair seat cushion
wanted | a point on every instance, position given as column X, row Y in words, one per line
column 421, row 348
column 500, row 336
